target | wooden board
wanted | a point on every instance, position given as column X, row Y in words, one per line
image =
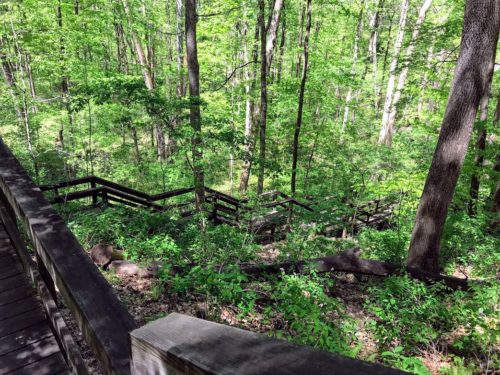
column 180, row 344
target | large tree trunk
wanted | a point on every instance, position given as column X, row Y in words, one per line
column 404, row 71
column 385, row 137
column 471, row 79
column 194, row 110
column 357, row 37
column 263, row 98
column 295, row 148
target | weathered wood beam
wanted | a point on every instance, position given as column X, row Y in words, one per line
column 180, row 344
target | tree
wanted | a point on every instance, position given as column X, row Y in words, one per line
column 357, row 37
column 249, row 107
column 263, row 98
column 404, row 72
column 385, row 136
column 194, row 98
column 148, row 77
column 295, row 147
column 470, row 81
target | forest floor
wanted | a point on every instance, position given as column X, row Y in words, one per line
column 136, row 293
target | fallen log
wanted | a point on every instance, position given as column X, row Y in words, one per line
column 349, row 261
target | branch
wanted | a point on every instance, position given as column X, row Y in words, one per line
column 221, row 85
column 219, row 13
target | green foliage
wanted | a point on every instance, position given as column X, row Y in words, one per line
column 389, row 245
column 311, row 316
column 410, row 364
column 407, row 311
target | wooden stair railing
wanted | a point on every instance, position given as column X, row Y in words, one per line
column 102, row 319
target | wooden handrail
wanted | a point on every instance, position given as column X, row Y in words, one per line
column 103, row 320
column 181, row 344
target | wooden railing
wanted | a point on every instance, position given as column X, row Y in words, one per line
column 223, row 208
column 176, row 344
column 179, row 344
column 102, row 319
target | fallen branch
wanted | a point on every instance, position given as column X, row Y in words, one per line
column 349, row 261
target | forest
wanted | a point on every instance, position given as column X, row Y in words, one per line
column 325, row 172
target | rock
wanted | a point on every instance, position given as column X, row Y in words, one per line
column 124, row 268
column 103, row 255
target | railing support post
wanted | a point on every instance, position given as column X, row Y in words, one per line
column 47, row 279
column 94, row 195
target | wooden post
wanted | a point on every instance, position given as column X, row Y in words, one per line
column 47, row 279
column 179, row 344
column 214, row 209
column 105, row 197
column 94, row 195
column 8, row 207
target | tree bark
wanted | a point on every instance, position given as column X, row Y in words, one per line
column 385, row 136
column 263, row 98
column 470, row 81
column 194, row 109
column 404, row 71
column 298, row 125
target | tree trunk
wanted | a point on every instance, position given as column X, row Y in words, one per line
column 249, row 110
column 357, row 37
column 31, row 82
column 148, row 79
column 272, row 31
column 471, row 79
column 10, row 82
column 385, row 136
column 263, row 98
column 299, row 41
column 281, row 49
column 295, row 148
column 179, row 44
column 136, row 144
column 404, row 72
column 194, row 110
column 373, row 49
